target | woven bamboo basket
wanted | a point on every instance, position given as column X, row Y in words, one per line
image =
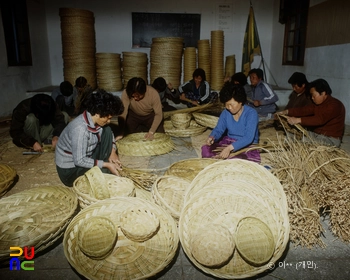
column 181, row 121
column 189, row 168
column 215, row 251
column 116, row 186
column 254, row 241
column 139, row 224
column 97, row 237
column 206, row 120
column 193, row 130
column 128, row 259
column 136, row 145
column 7, row 176
column 35, row 218
column 97, row 183
column 226, row 203
column 169, row 192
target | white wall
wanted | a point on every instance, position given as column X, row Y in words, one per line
column 15, row 81
column 113, row 34
column 328, row 62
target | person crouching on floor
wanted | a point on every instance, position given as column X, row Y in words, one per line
column 88, row 141
column 241, row 123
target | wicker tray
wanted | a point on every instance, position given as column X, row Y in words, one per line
column 226, row 203
column 7, row 176
column 169, row 192
column 136, row 145
column 206, row 120
column 128, row 259
column 35, row 218
column 193, row 130
column 116, row 186
column 189, row 168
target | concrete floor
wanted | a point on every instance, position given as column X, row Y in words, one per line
column 329, row 263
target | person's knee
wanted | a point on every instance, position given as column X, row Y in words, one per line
column 31, row 121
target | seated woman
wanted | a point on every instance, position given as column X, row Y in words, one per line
column 88, row 141
column 197, row 91
column 241, row 123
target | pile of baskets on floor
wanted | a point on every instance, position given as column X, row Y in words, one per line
column 230, row 216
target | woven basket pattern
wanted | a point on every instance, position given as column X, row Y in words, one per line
column 116, row 186
column 7, row 176
column 193, row 130
column 35, row 218
column 181, row 121
column 206, row 120
column 189, row 168
column 226, row 192
column 97, row 183
column 215, row 251
column 139, row 224
column 169, row 193
column 135, row 145
column 254, row 241
column 97, row 237
column 128, row 259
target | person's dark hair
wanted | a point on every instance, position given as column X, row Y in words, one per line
column 43, row 107
column 298, row 79
column 199, row 72
column 240, row 78
column 104, row 103
column 159, row 84
column 259, row 73
column 230, row 91
column 135, row 85
column 80, row 82
column 66, row 88
column 320, row 86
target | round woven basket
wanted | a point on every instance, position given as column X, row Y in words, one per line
column 35, row 218
column 136, row 145
column 169, row 192
column 212, row 245
column 206, row 120
column 254, row 241
column 97, row 183
column 189, row 168
column 97, row 237
column 181, row 121
column 116, row 186
column 226, row 203
column 128, row 259
column 193, row 130
column 7, row 176
column 139, row 224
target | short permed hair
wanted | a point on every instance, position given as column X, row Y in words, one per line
column 230, row 91
column 136, row 85
column 104, row 103
column 240, row 78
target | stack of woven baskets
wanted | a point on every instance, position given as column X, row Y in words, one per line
column 217, row 59
column 78, row 45
column 234, row 220
column 121, row 238
column 109, row 73
column 135, row 64
column 204, row 57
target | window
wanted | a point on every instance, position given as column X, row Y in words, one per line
column 16, row 30
column 294, row 16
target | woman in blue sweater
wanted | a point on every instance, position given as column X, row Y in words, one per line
column 239, row 121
